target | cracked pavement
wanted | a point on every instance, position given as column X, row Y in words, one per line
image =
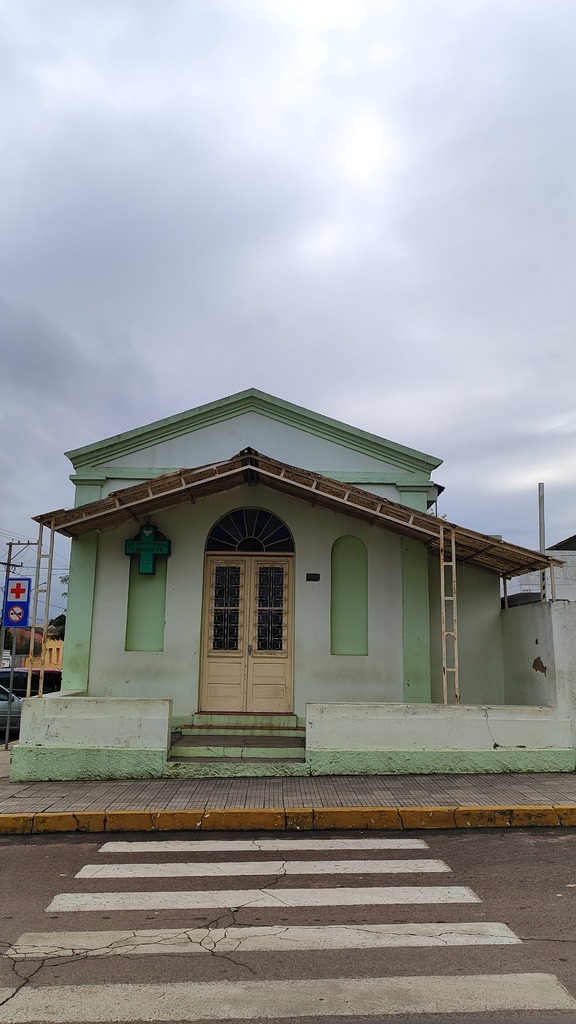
column 525, row 879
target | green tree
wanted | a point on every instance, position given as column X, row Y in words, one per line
column 57, row 627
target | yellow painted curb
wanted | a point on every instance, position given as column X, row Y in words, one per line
column 55, row 822
column 16, row 824
column 128, row 821
column 482, row 817
column 525, row 817
column 91, row 821
column 427, row 817
column 357, row 817
column 299, row 818
column 294, row 818
column 186, row 820
column 566, row 814
column 245, row 818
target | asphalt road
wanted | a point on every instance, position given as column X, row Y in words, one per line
column 505, row 901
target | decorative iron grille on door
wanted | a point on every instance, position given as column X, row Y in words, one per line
column 226, row 609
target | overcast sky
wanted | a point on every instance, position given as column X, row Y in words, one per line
column 365, row 207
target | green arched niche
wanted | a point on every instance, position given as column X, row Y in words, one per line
column 349, row 597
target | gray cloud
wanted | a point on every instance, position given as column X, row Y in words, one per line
column 365, row 208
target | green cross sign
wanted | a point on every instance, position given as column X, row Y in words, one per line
column 147, row 545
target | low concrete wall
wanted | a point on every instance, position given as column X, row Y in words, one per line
column 404, row 738
column 65, row 737
column 432, row 727
column 95, row 722
column 563, row 615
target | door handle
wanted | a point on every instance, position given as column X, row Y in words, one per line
column 249, row 648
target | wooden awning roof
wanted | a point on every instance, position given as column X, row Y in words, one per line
column 250, row 467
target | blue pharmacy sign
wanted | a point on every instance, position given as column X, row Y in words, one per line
column 17, row 602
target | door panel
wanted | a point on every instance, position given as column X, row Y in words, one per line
column 247, row 656
column 269, row 663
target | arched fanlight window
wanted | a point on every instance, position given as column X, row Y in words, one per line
column 250, row 529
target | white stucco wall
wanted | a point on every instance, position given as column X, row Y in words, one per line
column 386, row 727
column 529, row 655
column 318, row 675
column 563, row 618
column 280, row 441
column 71, row 722
column 480, row 650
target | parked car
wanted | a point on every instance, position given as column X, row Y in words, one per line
column 14, row 713
column 52, row 681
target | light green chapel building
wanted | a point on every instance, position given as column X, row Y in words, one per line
column 256, row 589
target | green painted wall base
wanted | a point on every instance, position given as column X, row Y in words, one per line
column 60, row 764
column 430, row 762
column 63, row 764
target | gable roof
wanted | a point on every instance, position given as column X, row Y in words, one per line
column 250, row 467
column 253, row 400
column 564, row 545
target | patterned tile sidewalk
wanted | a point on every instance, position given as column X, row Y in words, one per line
column 326, row 791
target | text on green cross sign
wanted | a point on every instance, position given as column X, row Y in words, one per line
column 147, row 545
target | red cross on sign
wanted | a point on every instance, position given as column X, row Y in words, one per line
column 17, row 590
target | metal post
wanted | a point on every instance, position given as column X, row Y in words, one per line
column 505, row 585
column 542, row 538
column 10, row 690
column 46, row 609
column 10, row 545
column 34, row 608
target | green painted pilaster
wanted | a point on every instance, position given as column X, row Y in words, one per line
column 415, row 495
column 416, row 622
column 88, row 489
column 79, row 617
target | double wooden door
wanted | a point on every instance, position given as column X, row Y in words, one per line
column 247, row 634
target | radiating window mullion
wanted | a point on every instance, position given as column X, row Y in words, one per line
column 250, row 530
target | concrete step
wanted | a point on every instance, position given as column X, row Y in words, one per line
column 233, row 760
column 239, row 739
column 228, row 768
column 244, row 723
column 234, row 732
column 226, row 739
column 218, row 747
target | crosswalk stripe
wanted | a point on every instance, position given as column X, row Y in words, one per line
column 271, row 867
column 195, row 900
column 246, row 1000
column 252, row 845
column 259, row 940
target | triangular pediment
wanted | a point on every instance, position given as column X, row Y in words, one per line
column 216, row 430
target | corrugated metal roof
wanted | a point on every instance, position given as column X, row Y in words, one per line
column 248, row 466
